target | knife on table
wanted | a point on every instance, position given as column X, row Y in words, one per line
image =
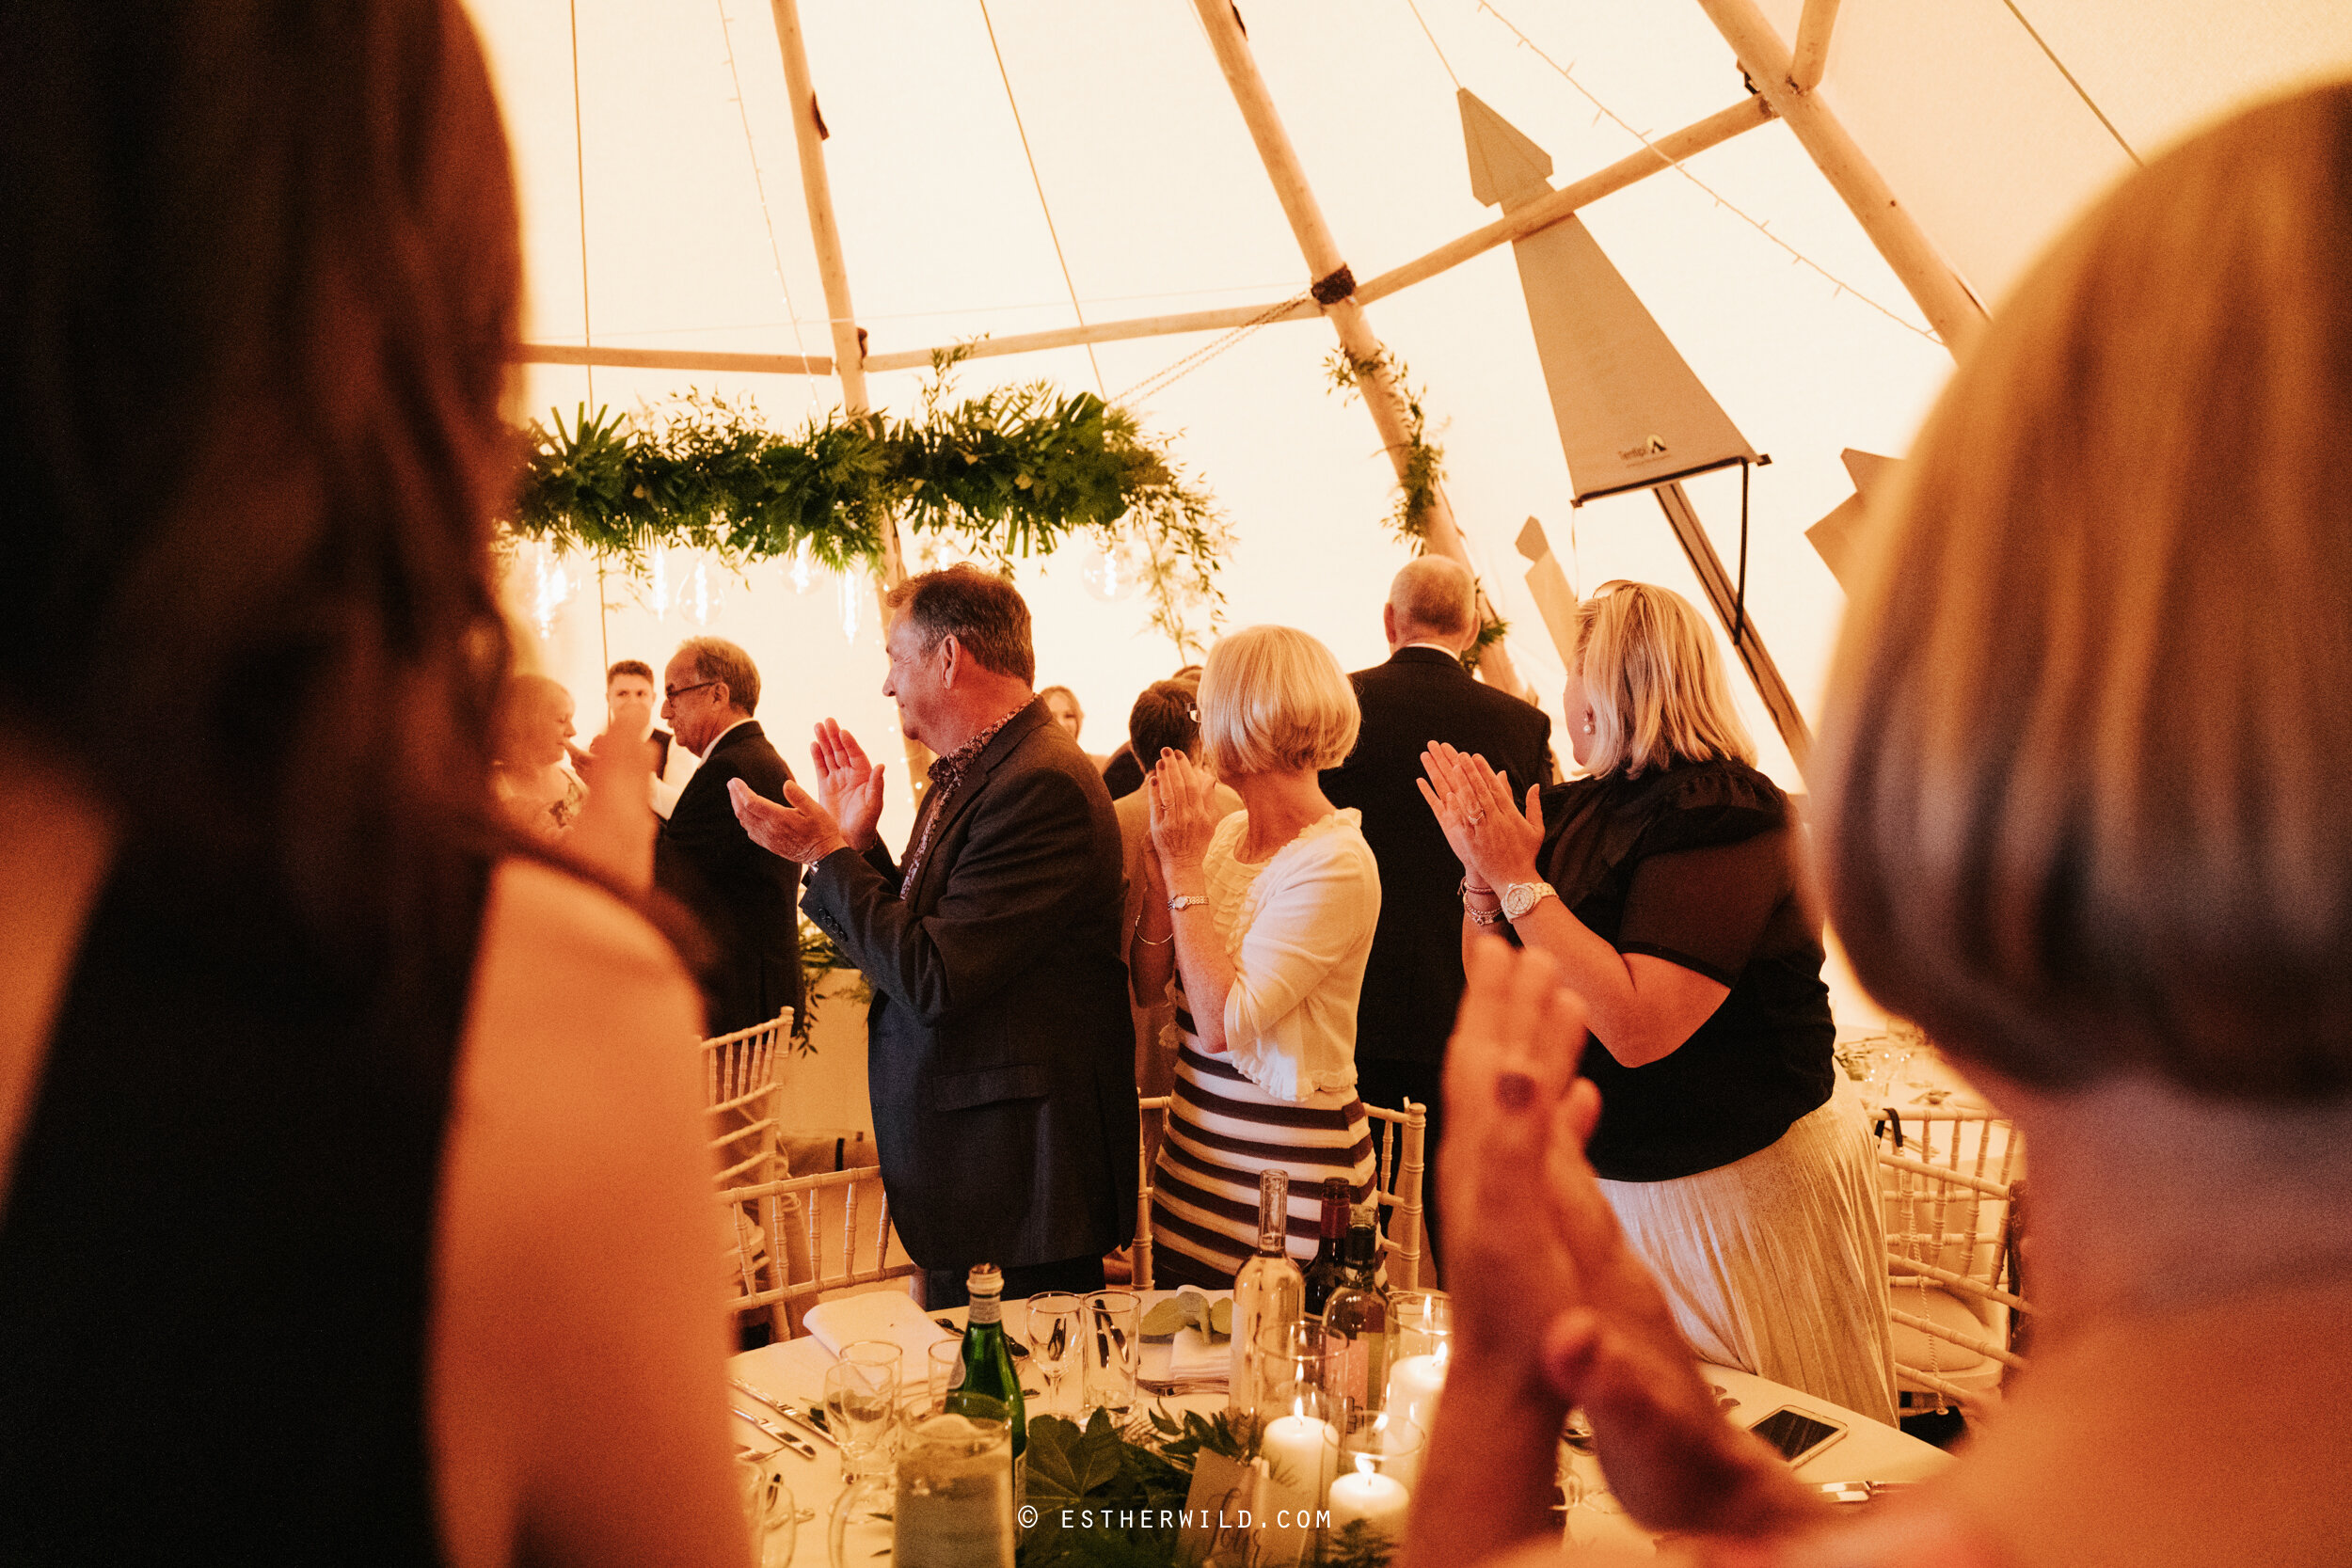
column 795, row 1443
column 793, row 1413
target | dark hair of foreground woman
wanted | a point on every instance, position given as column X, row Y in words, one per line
column 2080, row 805
column 353, row 1210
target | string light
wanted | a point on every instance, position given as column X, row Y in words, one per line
column 702, row 596
column 551, row 587
column 802, row 572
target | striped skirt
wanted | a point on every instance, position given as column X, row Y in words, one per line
column 1223, row 1131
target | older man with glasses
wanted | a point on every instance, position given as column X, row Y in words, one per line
column 744, row 897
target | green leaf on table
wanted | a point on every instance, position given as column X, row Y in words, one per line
column 1067, row 1465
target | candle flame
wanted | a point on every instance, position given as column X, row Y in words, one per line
column 1363, row 1464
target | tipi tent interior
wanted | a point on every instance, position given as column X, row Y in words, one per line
column 1000, row 168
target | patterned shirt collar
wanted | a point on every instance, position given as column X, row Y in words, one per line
column 948, row 771
column 946, row 776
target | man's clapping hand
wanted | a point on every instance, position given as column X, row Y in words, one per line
column 798, row 828
column 849, row 784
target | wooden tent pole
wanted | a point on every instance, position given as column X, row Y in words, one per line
column 1811, row 59
column 848, row 356
column 1939, row 293
column 824, row 233
column 1336, row 290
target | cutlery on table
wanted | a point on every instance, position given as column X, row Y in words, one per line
column 807, row 1421
column 788, row 1439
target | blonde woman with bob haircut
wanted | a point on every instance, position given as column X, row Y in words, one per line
column 2079, row 780
column 1258, row 926
column 1663, row 883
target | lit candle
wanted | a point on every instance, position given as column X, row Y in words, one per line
column 1293, row 1447
column 1413, row 1388
column 1370, row 1497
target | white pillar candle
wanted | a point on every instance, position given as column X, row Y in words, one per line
column 1413, row 1390
column 1370, row 1497
column 1293, row 1447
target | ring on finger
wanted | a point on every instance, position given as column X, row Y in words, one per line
column 1476, row 818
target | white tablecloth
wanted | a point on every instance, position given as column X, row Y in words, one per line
column 795, row 1371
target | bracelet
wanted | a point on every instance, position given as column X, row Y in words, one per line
column 1155, row 942
column 1477, row 918
column 1182, row 901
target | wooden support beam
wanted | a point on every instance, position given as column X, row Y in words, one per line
column 1101, row 332
column 1722, row 593
column 673, row 360
column 1937, row 289
column 1328, row 267
column 1663, row 154
column 1811, row 59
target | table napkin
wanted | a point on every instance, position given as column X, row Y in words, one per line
column 1193, row 1357
column 877, row 1315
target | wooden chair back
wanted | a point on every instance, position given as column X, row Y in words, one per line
column 763, row 1216
column 740, row 1093
column 1950, row 1180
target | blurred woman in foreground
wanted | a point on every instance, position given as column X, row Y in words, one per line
column 296, row 1060
column 2081, row 810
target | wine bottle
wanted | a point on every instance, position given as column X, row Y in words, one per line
column 1266, row 1290
column 1324, row 1270
column 1356, row 1322
column 989, row 1385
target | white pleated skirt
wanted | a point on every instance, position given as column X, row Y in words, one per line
column 1776, row 1263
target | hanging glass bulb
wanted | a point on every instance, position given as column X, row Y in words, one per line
column 551, row 587
column 657, row 593
column 802, row 573
column 853, row 594
column 701, row 598
column 1110, row 571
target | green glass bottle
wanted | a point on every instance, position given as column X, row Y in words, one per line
column 989, row 1385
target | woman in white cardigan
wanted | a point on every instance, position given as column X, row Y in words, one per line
column 1258, row 924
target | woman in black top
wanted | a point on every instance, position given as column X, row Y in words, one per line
column 1665, row 885
column 353, row 1201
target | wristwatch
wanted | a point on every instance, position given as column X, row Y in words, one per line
column 1519, row 897
column 1178, row 903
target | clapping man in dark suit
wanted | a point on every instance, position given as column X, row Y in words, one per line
column 1000, row 1053
column 742, row 895
column 1413, row 982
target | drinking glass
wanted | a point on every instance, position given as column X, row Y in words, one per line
column 768, row 1507
column 1289, row 1357
column 944, row 1361
column 1113, row 1342
column 1056, row 1322
column 951, row 1504
column 861, row 1398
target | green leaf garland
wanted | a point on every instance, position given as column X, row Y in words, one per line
column 1015, row 471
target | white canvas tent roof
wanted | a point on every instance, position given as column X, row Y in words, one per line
column 677, row 209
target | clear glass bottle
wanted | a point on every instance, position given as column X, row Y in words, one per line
column 1324, row 1270
column 1356, row 1322
column 1266, row 1290
column 990, row 1386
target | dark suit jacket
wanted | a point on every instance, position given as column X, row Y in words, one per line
column 742, row 895
column 1413, row 981
column 999, row 1047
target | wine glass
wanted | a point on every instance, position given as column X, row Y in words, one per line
column 768, row 1507
column 1056, row 1320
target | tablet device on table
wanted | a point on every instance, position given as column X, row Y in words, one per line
column 1797, row 1434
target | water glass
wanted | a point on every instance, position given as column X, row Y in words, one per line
column 1056, row 1322
column 944, row 1361
column 951, row 1499
column 1113, row 1343
column 861, row 1401
column 769, row 1508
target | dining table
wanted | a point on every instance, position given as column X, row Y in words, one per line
column 1869, row 1456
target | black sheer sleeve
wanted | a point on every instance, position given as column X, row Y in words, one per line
column 1708, row 909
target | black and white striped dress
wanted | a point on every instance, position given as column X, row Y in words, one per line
column 1298, row 927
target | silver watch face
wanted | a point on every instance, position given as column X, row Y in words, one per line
column 1519, row 897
